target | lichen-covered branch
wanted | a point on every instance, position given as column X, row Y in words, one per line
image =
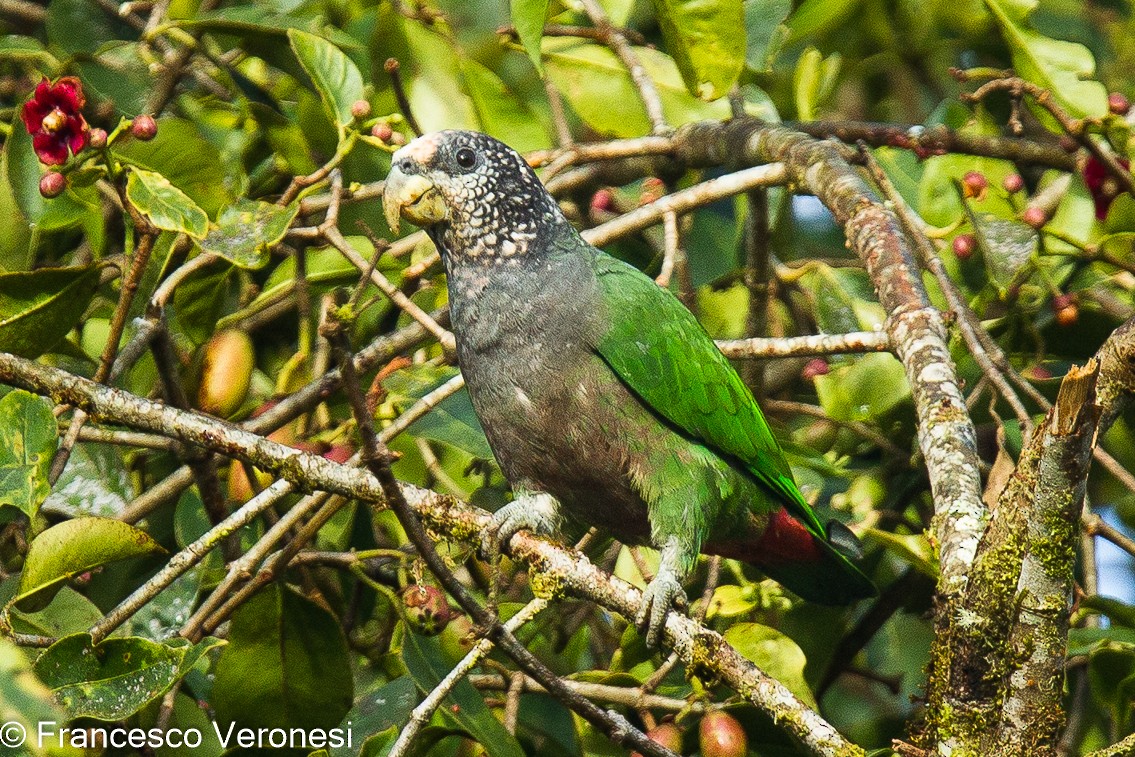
column 558, row 569
column 1000, row 683
column 1032, row 717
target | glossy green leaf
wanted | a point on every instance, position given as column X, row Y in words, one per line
column 246, row 231
column 286, row 666
column 528, row 18
column 73, row 547
column 114, row 679
column 38, row 308
column 335, row 76
column 764, row 31
column 1063, row 68
column 600, row 90
column 1007, row 246
column 28, row 439
column 464, row 706
column 192, row 163
column 166, row 206
column 707, row 40
column 775, row 654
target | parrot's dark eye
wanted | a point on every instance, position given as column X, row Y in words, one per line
column 466, row 158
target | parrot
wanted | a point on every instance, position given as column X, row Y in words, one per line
column 602, row 397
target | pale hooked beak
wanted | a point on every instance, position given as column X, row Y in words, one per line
column 413, row 197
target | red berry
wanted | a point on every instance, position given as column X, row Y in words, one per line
column 964, row 245
column 1061, row 301
column 1118, row 103
column 397, row 139
column 360, row 109
column 974, row 184
column 817, row 366
column 382, row 131
column 144, row 128
column 427, row 609
column 603, row 200
column 97, row 139
column 1039, row 373
column 721, row 735
column 666, row 734
column 1035, row 217
column 52, row 184
column 1013, row 183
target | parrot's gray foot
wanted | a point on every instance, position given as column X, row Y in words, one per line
column 662, row 593
column 538, row 512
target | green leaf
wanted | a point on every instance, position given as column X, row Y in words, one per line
column 18, row 48
column 96, row 480
column 28, row 440
column 730, row 600
column 452, row 421
column 70, row 612
column 867, row 388
column 814, row 81
column 707, row 40
column 464, row 706
column 26, row 699
column 815, row 18
column 1063, row 68
column 913, row 548
column 501, row 113
column 1007, row 246
column 165, row 205
column 775, row 654
column 73, row 547
column 38, row 308
column 286, row 665
column 117, row 677
column 528, row 18
column 335, row 76
column 764, row 31
column 192, row 163
column 600, row 90
column 247, row 230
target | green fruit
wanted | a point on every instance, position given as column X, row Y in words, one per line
column 427, row 609
column 720, row 735
column 226, row 372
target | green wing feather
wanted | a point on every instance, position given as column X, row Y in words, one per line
column 660, row 350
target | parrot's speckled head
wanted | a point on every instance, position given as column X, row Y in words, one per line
column 474, row 195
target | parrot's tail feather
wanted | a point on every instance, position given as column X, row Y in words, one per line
column 817, row 569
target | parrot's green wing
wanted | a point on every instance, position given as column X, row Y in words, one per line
column 663, row 354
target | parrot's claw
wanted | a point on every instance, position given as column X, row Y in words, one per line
column 538, row 512
column 663, row 593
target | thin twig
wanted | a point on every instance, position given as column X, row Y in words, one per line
column 426, row 708
column 618, row 43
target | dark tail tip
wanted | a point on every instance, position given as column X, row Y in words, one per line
column 844, row 541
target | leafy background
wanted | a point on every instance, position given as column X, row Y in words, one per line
column 247, row 96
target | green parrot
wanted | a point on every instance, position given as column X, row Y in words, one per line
column 602, row 397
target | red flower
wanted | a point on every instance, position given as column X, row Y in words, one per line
column 1102, row 185
column 53, row 119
